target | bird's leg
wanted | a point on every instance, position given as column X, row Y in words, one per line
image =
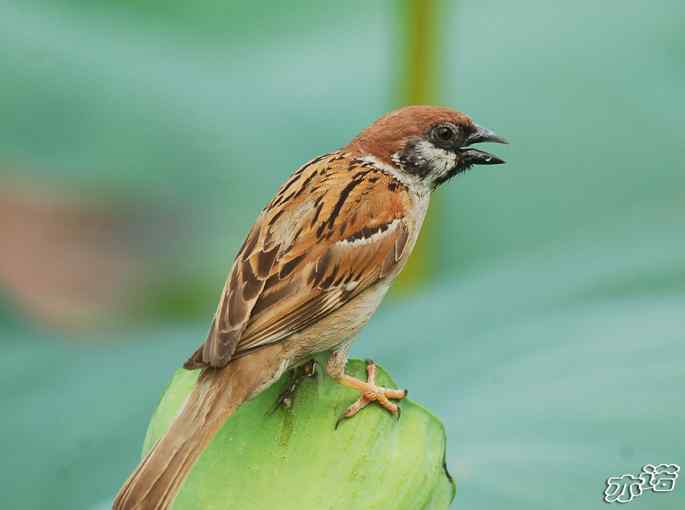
column 296, row 376
column 369, row 391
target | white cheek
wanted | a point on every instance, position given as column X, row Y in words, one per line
column 440, row 160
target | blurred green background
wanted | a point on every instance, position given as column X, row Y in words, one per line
column 545, row 315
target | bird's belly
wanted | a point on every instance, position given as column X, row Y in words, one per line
column 338, row 327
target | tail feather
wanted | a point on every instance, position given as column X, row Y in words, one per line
column 216, row 396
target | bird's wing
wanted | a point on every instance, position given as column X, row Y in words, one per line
column 335, row 228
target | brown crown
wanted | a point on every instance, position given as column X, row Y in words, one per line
column 388, row 134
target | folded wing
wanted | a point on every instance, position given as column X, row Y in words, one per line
column 334, row 229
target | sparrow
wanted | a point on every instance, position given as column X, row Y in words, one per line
column 312, row 271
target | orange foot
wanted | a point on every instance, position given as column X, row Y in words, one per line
column 370, row 393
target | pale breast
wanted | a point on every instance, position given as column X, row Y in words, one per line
column 337, row 328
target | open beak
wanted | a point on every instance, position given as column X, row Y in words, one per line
column 479, row 157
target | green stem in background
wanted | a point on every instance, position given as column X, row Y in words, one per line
column 419, row 83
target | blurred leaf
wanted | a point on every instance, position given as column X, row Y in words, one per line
column 295, row 459
column 175, row 299
column 556, row 370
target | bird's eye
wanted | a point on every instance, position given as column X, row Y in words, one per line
column 444, row 133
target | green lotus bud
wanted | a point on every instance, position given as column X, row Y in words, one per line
column 294, row 458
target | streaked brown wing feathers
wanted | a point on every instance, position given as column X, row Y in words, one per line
column 331, row 280
column 250, row 271
column 335, row 228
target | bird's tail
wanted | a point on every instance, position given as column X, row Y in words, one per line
column 216, row 396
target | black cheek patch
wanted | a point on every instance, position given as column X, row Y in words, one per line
column 412, row 161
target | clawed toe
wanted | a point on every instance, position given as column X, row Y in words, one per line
column 370, row 392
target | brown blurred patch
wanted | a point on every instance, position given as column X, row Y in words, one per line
column 66, row 261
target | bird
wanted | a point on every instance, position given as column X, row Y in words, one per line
column 311, row 272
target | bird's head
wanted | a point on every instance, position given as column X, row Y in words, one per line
column 429, row 144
